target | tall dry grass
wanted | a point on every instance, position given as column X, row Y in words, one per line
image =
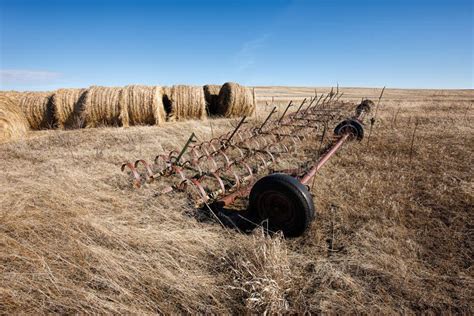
column 389, row 237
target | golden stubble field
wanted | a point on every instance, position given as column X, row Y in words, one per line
column 393, row 234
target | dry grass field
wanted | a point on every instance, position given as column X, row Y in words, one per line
column 393, row 234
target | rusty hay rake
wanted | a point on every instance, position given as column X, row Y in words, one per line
column 244, row 163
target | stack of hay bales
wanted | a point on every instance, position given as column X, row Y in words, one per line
column 38, row 109
column 211, row 93
column 235, row 100
column 144, row 104
column 66, row 102
column 13, row 123
column 186, row 102
column 131, row 105
column 101, row 106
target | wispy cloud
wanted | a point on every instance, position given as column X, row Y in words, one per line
column 246, row 56
column 27, row 77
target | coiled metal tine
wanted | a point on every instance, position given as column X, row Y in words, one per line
column 147, row 168
column 136, row 175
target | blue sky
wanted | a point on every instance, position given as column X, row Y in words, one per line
column 48, row 44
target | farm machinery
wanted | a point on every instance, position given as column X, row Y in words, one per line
column 251, row 163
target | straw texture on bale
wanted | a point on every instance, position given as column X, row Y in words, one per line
column 186, row 102
column 235, row 100
column 211, row 93
column 65, row 102
column 101, row 106
column 14, row 96
column 38, row 109
column 144, row 104
column 13, row 124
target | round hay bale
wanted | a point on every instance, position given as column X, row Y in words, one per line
column 144, row 104
column 15, row 96
column 101, row 106
column 65, row 101
column 235, row 100
column 38, row 109
column 187, row 102
column 211, row 93
column 13, row 123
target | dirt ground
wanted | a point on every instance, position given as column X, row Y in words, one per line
column 393, row 232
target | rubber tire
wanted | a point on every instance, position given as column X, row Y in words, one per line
column 294, row 194
column 356, row 126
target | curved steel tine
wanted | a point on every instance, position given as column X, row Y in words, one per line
column 198, row 167
column 241, row 153
column 211, row 145
column 164, row 157
column 271, row 155
column 204, row 147
column 293, row 140
column 227, row 161
column 206, row 152
column 201, row 190
column 247, row 167
column 147, row 167
column 225, row 136
column 255, row 140
column 182, row 185
column 194, row 162
column 136, row 175
column 166, row 169
column 170, row 155
column 264, row 162
column 179, row 171
column 236, row 176
column 209, row 157
column 219, row 180
column 214, row 140
column 195, row 151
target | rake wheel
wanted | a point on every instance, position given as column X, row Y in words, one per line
column 350, row 126
column 281, row 203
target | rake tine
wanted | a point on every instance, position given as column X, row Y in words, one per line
column 301, row 105
column 235, row 131
column 316, row 105
column 378, row 102
column 147, row 167
column 284, row 112
column 135, row 173
column 309, row 106
column 266, row 120
column 322, row 138
column 372, row 121
column 190, row 140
